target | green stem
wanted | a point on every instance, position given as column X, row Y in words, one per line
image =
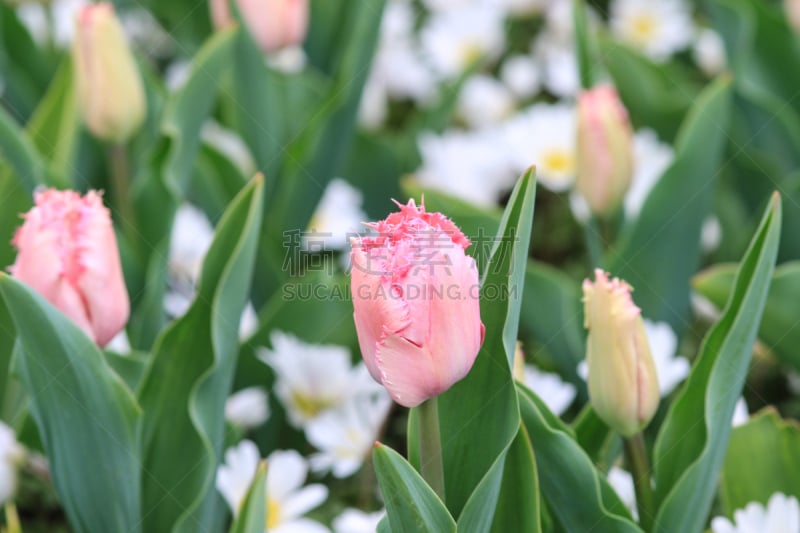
column 594, row 242
column 430, row 446
column 636, row 457
column 12, row 519
column 120, row 187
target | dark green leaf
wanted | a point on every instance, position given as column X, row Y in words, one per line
column 253, row 513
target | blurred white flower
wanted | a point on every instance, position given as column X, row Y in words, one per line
column 231, row 145
column 247, row 408
column 287, row 499
column 710, row 234
column 651, row 158
column 740, row 413
column 345, row 436
column 781, row 515
column 559, row 65
column 554, row 392
column 11, row 455
column 520, row 74
column 709, row 52
column 544, row 135
column 312, row 378
column 453, row 40
column 793, row 382
column 338, row 216
column 471, row 166
column 289, row 59
column 177, row 74
column 356, row 521
column 119, row 344
column 192, row 234
column 484, row 101
column 373, row 107
column 146, row 33
column 249, row 322
column 658, row 28
column 57, row 26
column 671, row 369
column 622, row 481
column 524, row 7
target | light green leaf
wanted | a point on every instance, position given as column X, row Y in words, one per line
column 519, row 505
column 253, row 513
column 87, row 418
column 411, row 505
column 25, row 164
column 672, row 216
column 691, row 445
column 479, row 416
column 780, row 329
column 190, row 375
column 578, row 495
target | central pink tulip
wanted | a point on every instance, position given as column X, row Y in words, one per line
column 68, row 254
column 416, row 302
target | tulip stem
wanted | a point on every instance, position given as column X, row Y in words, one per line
column 430, row 446
column 12, row 519
column 636, row 457
column 594, row 246
column 120, row 185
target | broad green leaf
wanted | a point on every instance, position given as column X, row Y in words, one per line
column 519, row 504
column 55, row 126
column 479, row 416
column 584, row 44
column 598, row 441
column 691, row 444
column 763, row 458
column 215, row 182
column 411, row 505
column 656, row 95
column 87, row 418
column 16, row 200
column 20, row 160
column 184, row 389
column 579, row 496
column 672, row 216
column 130, row 367
column 779, row 327
column 253, row 512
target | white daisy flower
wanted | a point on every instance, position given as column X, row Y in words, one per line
column 287, row 499
column 11, row 455
column 356, row 521
column 651, row 158
column 484, row 101
column 247, row 408
column 521, row 75
column 554, row 392
column 659, row 28
column 544, row 135
column 192, row 234
column 346, row 435
column 312, row 378
column 338, row 215
column 671, row 369
column 781, row 515
column 453, row 40
column 559, row 65
column 740, row 413
column 709, row 52
column 472, row 166
column 622, row 482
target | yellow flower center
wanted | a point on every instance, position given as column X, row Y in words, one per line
column 469, row 52
column 643, row 28
column 273, row 514
column 557, row 161
column 309, row 405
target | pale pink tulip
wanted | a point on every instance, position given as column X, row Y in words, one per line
column 416, row 301
column 68, row 254
column 274, row 24
column 605, row 149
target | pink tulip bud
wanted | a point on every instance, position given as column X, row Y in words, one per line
column 417, row 308
column 623, row 386
column 274, row 24
column 110, row 91
column 68, row 254
column 605, row 149
column 792, row 10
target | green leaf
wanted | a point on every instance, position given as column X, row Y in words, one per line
column 778, row 328
column 578, row 495
column 25, row 164
column 762, row 459
column 599, row 442
column 479, row 416
column 190, row 375
column 411, row 505
column 253, row 513
column 691, row 445
column 87, row 418
column 519, row 505
column 583, row 44
column 672, row 216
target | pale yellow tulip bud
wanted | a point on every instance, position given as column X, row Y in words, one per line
column 605, row 149
column 110, row 92
column 623, row 385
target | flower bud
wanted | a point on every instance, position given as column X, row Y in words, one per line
column 274, row 24
column 68, row 254
column 416, row 301
column 623, row 386
column 110, row 91
column 792, row 10
column 605, row 149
